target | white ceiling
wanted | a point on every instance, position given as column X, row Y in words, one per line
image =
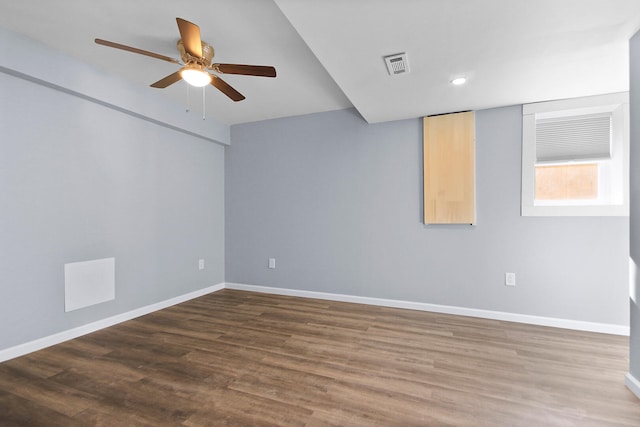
column 329, row 53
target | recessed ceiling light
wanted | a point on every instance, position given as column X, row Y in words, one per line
column 458, row 81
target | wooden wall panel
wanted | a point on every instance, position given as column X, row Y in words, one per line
column 449, row 169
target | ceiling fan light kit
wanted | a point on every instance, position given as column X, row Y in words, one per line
column 197, row 58
column 195, row 76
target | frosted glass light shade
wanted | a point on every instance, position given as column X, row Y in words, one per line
column 195, row 77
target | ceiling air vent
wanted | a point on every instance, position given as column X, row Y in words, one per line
column 397, row 64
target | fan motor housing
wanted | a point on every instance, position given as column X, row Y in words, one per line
column 207, row 54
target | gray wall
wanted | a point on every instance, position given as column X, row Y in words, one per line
column 635, row 204
column 338, row 203
column 81, row 181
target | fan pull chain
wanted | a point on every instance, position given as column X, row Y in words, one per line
column 188, row 101
column 203, row 104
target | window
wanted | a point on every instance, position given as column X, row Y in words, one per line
column 575, row 157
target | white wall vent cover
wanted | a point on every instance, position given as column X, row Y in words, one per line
column 397, row 64
column 88, row 282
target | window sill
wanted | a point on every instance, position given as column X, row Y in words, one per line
column 602, row 210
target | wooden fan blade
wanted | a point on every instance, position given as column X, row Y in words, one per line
column 190, row 35
column 226, row 89
column 246, row 70
column 167, row 81
column 135, row 50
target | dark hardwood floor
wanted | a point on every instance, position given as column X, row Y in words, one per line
column 245, row 359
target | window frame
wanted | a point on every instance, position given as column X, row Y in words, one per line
column 618, row 105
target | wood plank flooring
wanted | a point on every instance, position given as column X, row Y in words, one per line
column 237, row 358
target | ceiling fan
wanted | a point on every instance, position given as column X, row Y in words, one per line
column 197, row 57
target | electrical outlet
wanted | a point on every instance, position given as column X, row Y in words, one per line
column 272, row 263
column 509, row 279
column 201, row 264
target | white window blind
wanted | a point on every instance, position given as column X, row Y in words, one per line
column 573, row 137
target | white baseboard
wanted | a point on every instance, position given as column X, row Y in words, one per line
column 632, row 384
column 63, row 336
column 579, row 325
